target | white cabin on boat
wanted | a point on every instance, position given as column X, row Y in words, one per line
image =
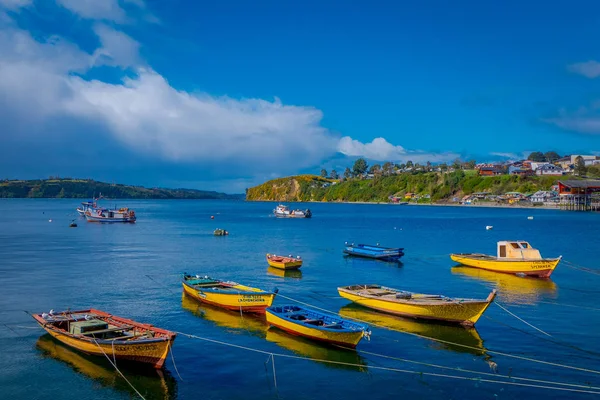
column 518, row 249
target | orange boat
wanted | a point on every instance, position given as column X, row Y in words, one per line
column 98, row 333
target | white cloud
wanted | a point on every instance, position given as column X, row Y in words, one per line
column 109, row 10
column 42, row 80
column 117, row 48
column 14, row 4
column 589, row 69
column 381, row 150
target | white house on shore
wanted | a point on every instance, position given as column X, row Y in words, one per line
column 588, row 160
column 544, row 196
column 549, row 169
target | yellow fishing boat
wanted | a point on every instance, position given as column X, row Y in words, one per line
column 99, row 333
column 512, row 288
column 282, row 262
column 229, row 295
column 157, row 383
column 514, row 257
column 417, row 305
column 316, row 325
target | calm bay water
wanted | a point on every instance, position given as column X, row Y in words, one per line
column 133, row 271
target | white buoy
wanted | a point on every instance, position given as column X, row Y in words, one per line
column 49, row 220
column 489, row 227
column 529, row 217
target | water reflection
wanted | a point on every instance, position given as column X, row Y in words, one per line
column 252, row 323
column 450, row 333
column 151, row 383
column 316, row 351
column 285, row 273
column 512, row 288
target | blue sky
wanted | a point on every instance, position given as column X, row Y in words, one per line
column 224, row 95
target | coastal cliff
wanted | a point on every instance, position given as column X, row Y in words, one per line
column 430, row 187
column 293, row 188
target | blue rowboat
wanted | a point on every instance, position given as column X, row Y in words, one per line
column 316, row 325
column 376, row 252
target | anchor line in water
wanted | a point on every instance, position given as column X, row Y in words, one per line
column 117, row 369
column 552, row 340
column 581, row 268
column 521, row 319
column 476, row 379
column 456, row 344
column 478, row 372
column 568, row 305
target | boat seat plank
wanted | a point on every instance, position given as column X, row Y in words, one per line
column 118, row 328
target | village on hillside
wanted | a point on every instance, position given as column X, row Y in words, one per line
column 572, row 189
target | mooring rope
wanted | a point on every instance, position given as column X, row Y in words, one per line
column 173, row 359
column 117, row 369
column 477, row 372
column 453, row 343
column 477, row 379
column 521, row 319
column 568, row 305
column 581, row 268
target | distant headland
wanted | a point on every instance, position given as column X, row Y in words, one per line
column 87, row 188
column 520, row 184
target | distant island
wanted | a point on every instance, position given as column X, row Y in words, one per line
column 87, row 188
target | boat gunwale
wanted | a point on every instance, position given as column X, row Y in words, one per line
column 234, row 291
column 49, row 325
column 442, row 301
column 487, row 257
column 286, row 317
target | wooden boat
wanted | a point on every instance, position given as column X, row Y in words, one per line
column 317, row 326
column 376, row 252
column 99, row 333
column 229, row 295
column 220, row 232
column 107, row 215
column 513, row 257
column 416, row 305
column 282, row 262
column 282, row 211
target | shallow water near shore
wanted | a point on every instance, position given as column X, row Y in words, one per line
column 133, row 270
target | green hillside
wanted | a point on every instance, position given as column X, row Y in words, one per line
column 440, row 187
column 86, row 188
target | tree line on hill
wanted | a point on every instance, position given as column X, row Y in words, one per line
column 361, row 167
column 88, row 188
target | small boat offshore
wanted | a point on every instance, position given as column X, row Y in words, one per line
column 376, row 252
column 282, row 211
column 282, row 262
column 513, row 257
column 226, row 294
column 86, row 205
column 417, row 305
column 107, row 215
column 316, row 325
column 220, row 232
column 99, row 333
